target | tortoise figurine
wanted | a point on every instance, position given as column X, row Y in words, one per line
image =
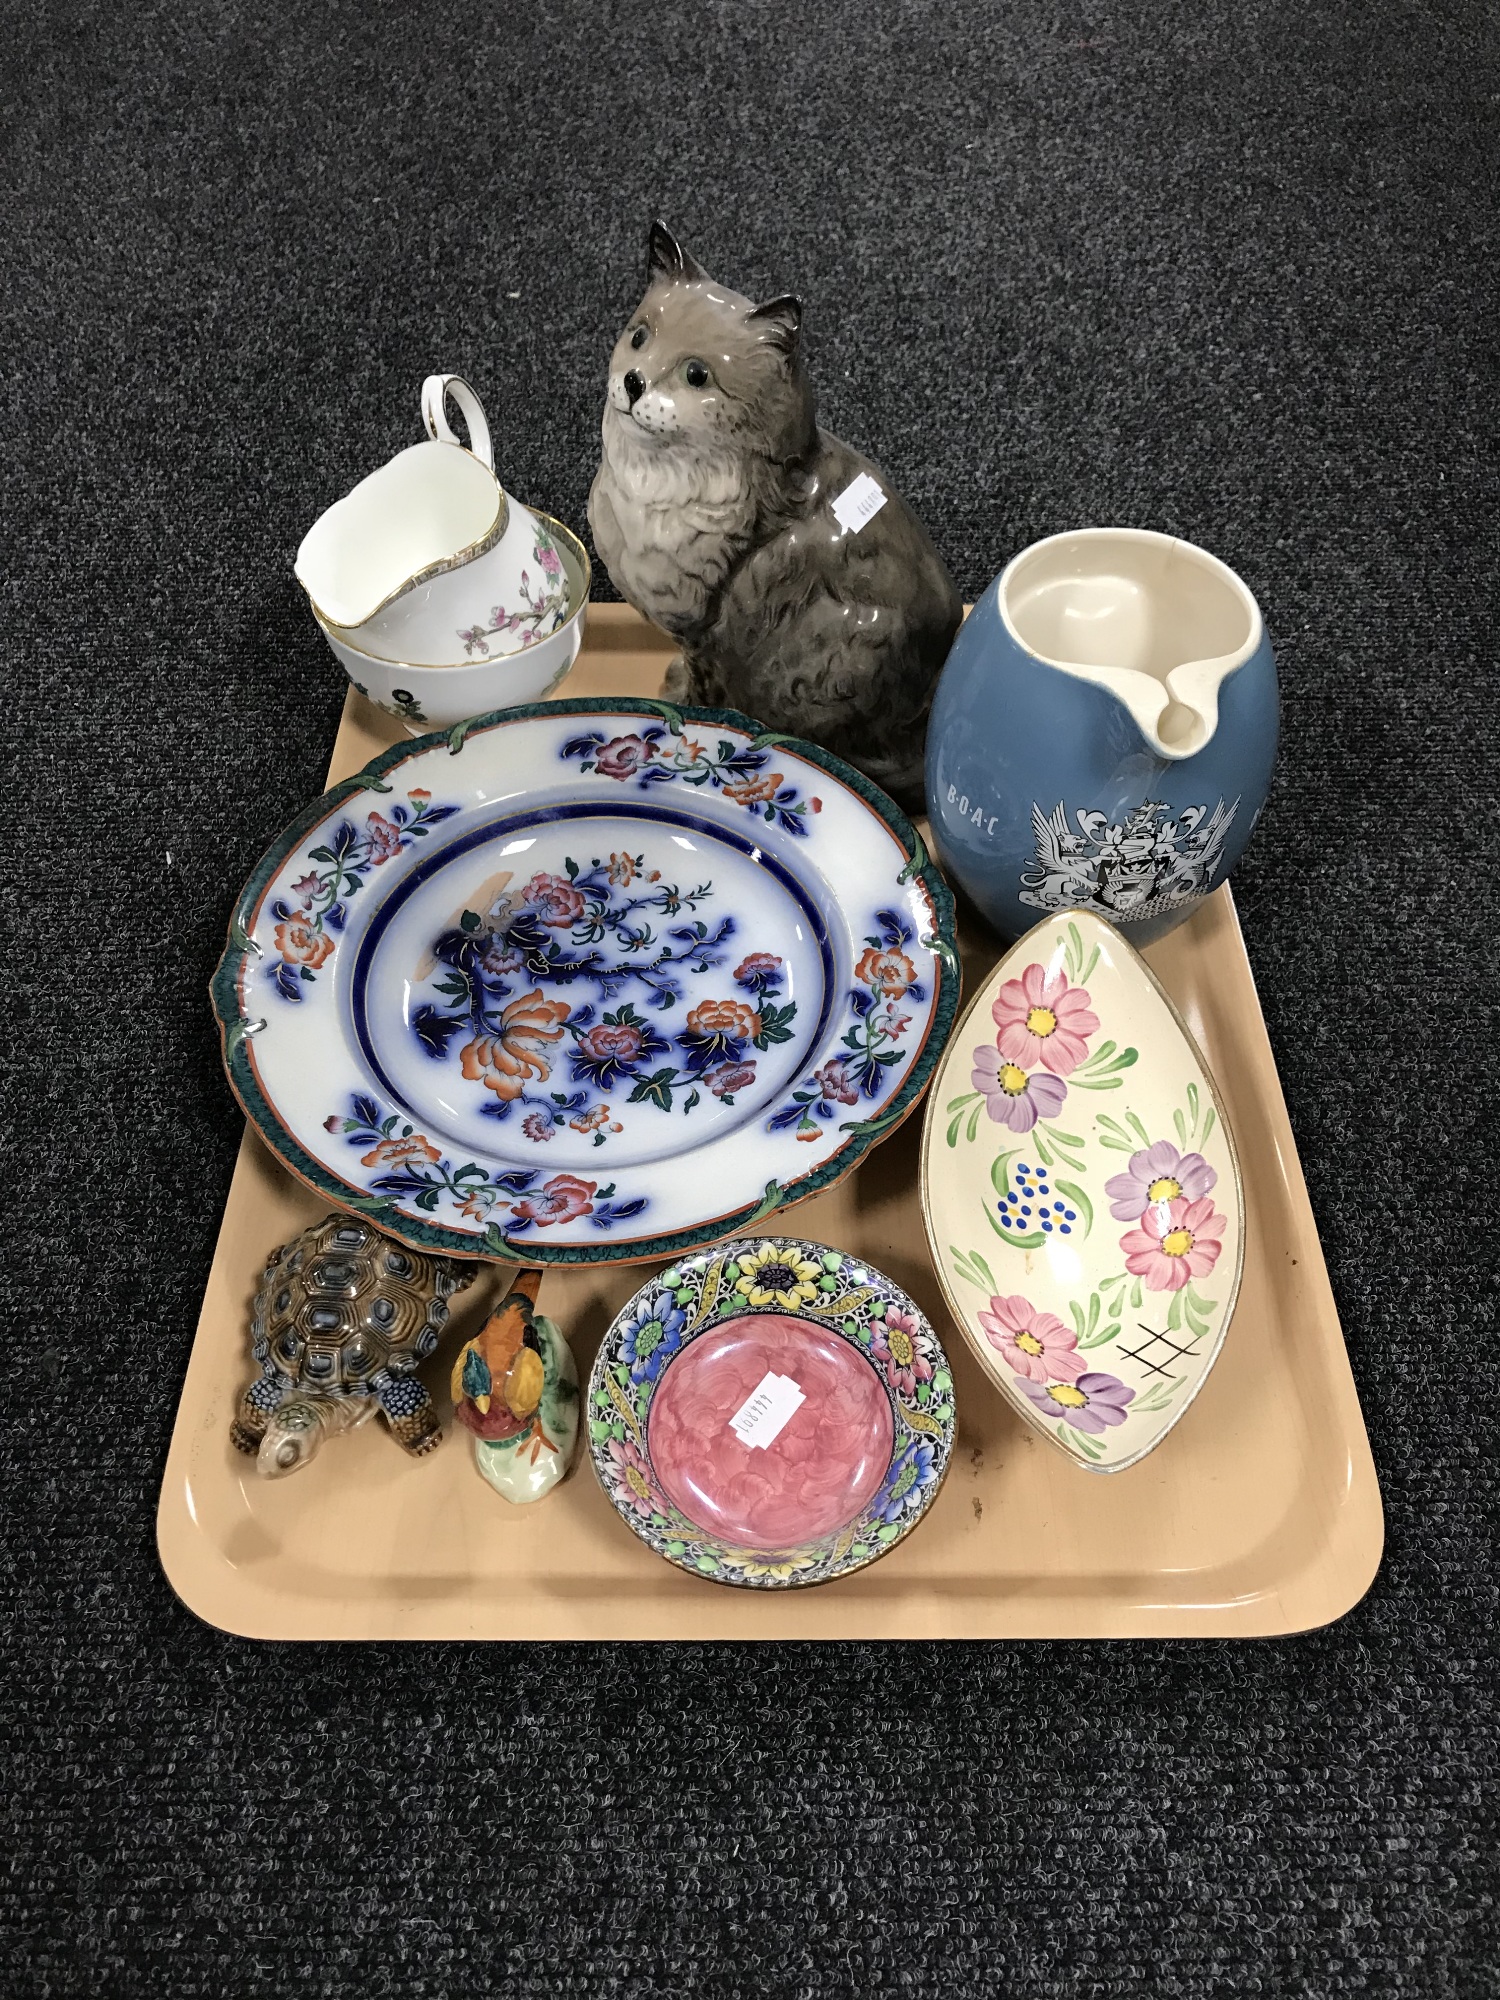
column 342, row 1318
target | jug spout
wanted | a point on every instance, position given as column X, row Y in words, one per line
column 1187, row 719
column 1157, row 622
column 433, row 508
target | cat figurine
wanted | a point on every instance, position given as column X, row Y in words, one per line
column 714, row 510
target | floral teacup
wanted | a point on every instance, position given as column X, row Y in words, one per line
column 430, row 563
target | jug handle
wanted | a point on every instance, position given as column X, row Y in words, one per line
column 435, row 392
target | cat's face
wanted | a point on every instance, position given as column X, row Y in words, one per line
column 701, row 366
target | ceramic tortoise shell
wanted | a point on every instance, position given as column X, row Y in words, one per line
column 342, row 1304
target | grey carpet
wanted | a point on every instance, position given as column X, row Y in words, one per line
column 1226, row 270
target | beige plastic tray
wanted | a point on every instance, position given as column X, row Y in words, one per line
column 1259, row 1514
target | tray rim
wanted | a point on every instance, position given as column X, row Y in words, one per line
column 1323, row 1586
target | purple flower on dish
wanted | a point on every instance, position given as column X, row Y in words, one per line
column 1158, row 1173
column 1093, row 1403
column 1011, row 1096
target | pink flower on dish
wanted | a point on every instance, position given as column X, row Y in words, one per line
column 834, row 1081
column 631, row 1475
column 537, row 1125
column 1176, row 1241
column 623, row 757
column 729, row 1077
column 562, row 1199
column 1036, row 1344
column 902, row 1349
column 307, row 887
column 549, row 559
column 1044, row 1021
column 1158, row 1173
column 555, row 901
column 1011, row 1096
column 383, row 838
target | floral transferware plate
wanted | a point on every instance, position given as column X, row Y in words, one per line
column 1082, row 1194
column 587, row 982
column 771, row 1413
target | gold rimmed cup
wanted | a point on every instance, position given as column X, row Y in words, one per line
column 445, row 692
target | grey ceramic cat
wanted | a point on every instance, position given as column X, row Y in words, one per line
column 713, row 510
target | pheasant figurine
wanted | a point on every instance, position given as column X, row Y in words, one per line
column 515, row 1386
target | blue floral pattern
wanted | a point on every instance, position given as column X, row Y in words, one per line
column 307, row 926
column 596, row 927
column 402, row 1164
column 658, row 755
column 887, row 977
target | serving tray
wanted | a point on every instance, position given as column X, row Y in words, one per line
column 1259, row 1514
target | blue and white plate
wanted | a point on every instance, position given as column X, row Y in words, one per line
column 587, row 982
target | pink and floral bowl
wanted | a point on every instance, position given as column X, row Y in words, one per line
column 771, row 1413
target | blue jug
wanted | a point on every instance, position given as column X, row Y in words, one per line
column 1103, row 733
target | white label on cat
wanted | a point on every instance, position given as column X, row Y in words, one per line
column 766, row 1411
column 858, row 504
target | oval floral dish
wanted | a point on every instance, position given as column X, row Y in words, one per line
column 771, row 1413
column 1082, row 1193
column 586, row 982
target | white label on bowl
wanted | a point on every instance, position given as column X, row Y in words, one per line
column 766, row 1411
column 858, row 504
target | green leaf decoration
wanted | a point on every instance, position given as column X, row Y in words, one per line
column 1079, row 1323
column 1108, row 1332
column 1071, row 1191
column 1210, row 1120
column 1135, row 1296
column 957, row 1106
column 655, row 1089
column 1088, row 970
column 671, row 716
column 1075, row 953
column 1138, row 1128
column 1114, row 1134
column 1181, row 1124
column 1174, row 1313
column 940, row 948
column 1192, row 1099
column 769, row 1200
column 500, row 1247
column 867, row 1126
column 1081, row 1439
column 917, row 862
column 971, row 1267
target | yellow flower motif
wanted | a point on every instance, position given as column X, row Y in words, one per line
column 776, row 1276
column 750, row 1562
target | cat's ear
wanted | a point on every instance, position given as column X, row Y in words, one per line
column 782, row 320
column 666, row 258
